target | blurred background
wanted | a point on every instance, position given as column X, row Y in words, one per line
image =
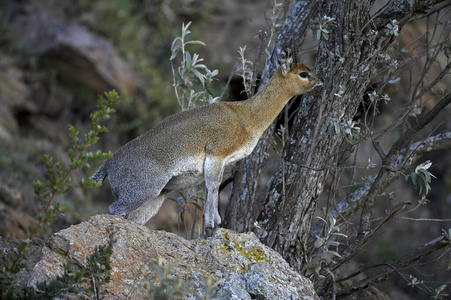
column 56, row 57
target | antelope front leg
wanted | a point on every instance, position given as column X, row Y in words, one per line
column 213, row 169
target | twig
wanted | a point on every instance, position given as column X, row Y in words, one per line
column 424, row 219
column 352, row 249
column 403, row 262
column 365, row 220
column 409, row 155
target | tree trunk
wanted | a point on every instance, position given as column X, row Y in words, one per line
column 244, row 187
column 346, row 61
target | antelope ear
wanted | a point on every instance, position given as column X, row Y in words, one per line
column 285, row 59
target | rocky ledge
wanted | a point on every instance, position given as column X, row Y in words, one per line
column 226, row 266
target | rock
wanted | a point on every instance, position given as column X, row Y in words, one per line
column 14, row 95
column 55, row 134
column 8, row 125
column 70, row 48
column 14, row 223
column 245, row 268
column 14, row 92
column 10, row 195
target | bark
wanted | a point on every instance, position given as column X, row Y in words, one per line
column 346, row 61
column 241, row 208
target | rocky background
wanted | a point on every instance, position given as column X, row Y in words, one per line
column 57, row 56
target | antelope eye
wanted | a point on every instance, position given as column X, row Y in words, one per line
column 304, row 75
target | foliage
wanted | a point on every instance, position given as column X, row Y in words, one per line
column 421, row 177
column 323, row 256
column 276, row 23
column 323, row 28
column 98, row 264
column 247, row 73
column 59, row 182
column 61, row 285
column 72, row 281
column 190, row 72
column 169, row 285
column 59, row 176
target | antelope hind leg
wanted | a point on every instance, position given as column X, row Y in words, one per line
column 147, row 210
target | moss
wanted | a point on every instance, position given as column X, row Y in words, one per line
column 61, row 252
column 252, row 254
column 226, row 236
column 255, row 254
column 224, row 249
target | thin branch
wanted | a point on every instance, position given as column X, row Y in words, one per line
column 403, row 262
column 408, row 135
column 435, row 81
column 405, row 159
column 226, row 87
column 429, row 13
column 350, row 251
column 406, row 112
column 424, row 219
column 402, row 10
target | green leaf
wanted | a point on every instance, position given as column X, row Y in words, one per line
column 330, row 273
column 188, row 60
column 318, row 34
column 214, row 72
column 319, row 242
column 195, row 43
column 337, row 127
column 174, row 42
column 333, row 243
column 340, row 234
column 201, row 66
column 334, row 253
column 175, row 51
column 180, row 79
column 318, row 217
column 199, row 76
column 413, row 177
column 427, row 175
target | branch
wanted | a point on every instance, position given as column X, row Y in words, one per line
column 244, row 186
column 442, row 74
column 402, row 10
column 390, row 268
column 406, row 137
column 405, row 160
column 427, row 14
column 349, row 252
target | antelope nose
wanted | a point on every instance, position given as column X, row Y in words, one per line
column 318, row 84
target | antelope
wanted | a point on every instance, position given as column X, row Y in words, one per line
column 196, row 145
